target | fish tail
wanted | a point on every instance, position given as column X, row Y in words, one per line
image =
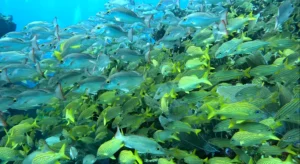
column 137, row 157
column 4, row 76
column 197, row 131
column 289, row 150
column 289, row 159
column 205, row 80
column 224, row 17
column 34, row 124
column 3, row 120
column 39, row 70
column 276, row 23
column 223, row 28
column 247, row 72
column 118, row 134
column 59, row 92
column 251, row 17
column 147, row 20
column 57, row 54
column 232, row 124
column 175, row 137
column 212, row 112
column 274, row 137
column 130, row 34
column 62, row 152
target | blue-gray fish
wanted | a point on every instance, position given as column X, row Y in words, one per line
column 90, row 85
column 75, row 44
column 128, row 55
column 175, row 33
column 140, row 144
column 202, row 19
column 284, row 11
column 228, row 48
column 35, row 98
column 13, row 44
column 12, row 57
column 19, row 72
column 109, row 30
column 77, row 61
column 125, row 81
column 124, row 15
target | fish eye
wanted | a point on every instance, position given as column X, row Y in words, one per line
column 14, row 100
column 257, row 111
column 65, row 29
column 98, row 27
column 107, row 12
column 61, row 62
column 88, row 37
column 107, row 81
column 42, row 45
column 184, row 19
column 157, row 148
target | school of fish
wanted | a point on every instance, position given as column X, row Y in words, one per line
column 217, row 82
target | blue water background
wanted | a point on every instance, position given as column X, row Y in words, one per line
column 68, row 11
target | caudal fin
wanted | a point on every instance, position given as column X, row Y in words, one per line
column 62, row 153
column 147, row 20
column 59, row 92
column 34, row 43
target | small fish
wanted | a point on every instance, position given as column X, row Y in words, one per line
column 192, row 158
column 250, row 47
column 8, row 154
column 274, row 150
column 89, row 159
column 75, row 44
column 202, row 19
column 109, row 148
column 164, row 135
column 127, row 157
column 127, row 55
column 90, row 85
column 179, row 126
column 291, row 136
column 223, row 160
column 140, row 143
column 12, row 57
column 288, row 110
column 188, row 83
column 237, row 111
column 228, row 48
column 26, row 100
column 244, row 138
column 109, row 30
column 125, row 15
column 124, row 81
column 19, row 72
column 284, row 11
column 77, row 61
column 73, row 153
column 165, row 161
column 50, row 156
column 272, row 160
column 23, row 128
column 175, row 33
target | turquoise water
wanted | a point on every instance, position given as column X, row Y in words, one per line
column 68, row 11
